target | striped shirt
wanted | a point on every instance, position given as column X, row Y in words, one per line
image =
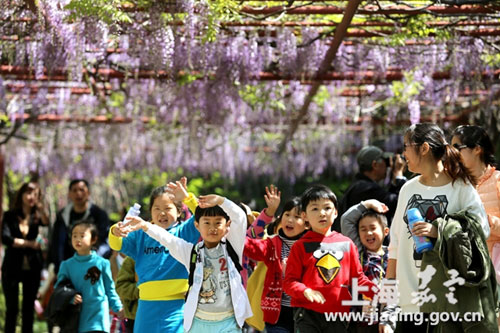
column 285, row 251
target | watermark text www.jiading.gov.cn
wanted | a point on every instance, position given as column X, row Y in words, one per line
column 416, row 317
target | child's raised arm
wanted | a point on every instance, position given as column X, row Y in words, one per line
column 350, row 219
column 180, row 193
column 178, row 247
column 237, row 229
column 273, row 199
column 122, row 229
column 178, row 189
column 211, row 200
column 257, row 249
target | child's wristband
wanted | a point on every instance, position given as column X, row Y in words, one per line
column 115, row 242
column 191, row 202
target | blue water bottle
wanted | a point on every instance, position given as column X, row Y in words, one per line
column 135, row 210
column 422, row 244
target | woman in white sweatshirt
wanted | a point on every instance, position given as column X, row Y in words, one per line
column 443, row 186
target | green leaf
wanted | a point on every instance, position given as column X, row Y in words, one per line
column 117, row 99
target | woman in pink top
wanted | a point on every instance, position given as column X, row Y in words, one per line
column 477, row 153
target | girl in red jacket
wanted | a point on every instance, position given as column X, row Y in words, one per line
column 273, row 251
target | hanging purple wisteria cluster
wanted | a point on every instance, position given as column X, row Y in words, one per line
column 206, row 105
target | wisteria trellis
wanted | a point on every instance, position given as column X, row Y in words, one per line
column 203, row 105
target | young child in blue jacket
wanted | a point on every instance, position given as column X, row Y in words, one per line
column 90, row 274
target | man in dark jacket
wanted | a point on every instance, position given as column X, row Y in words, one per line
column 80, row 208
column 373, row 164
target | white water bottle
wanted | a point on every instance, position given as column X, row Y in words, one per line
column 133, row 211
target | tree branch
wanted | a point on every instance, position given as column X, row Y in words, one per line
column 12, row 133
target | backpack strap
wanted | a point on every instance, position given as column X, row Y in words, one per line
column 192, row 265
column 234, row 257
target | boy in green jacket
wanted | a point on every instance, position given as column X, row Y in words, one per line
column 126, row 287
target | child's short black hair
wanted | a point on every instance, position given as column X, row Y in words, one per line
column 88, row 224
column 210, row 211
column 292, row 203
column 289, row 205
column 317, row 192
column 381, row 218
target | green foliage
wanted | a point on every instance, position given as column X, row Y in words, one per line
column 211, row 184
column 4, row 120
column 258, row 96
column 414, row 28
column 187, row 77
column 492, row 60
column 219, row 10
column 250, row 94
column 109, row 11
column 12, row 182
column 114, row 11
column 322, row 96
column 404, row 90
column 117, row 99
column 77, row 158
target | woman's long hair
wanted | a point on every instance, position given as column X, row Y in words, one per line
column 18, row 201
column 472, row 136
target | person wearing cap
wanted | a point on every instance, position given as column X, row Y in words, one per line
column 373, row 163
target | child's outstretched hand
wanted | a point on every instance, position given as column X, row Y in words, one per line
column 376, row 205
column 134, row 223
column 210, row 200
column 77, row 299
column 122, row 229
column 178, row 189
column 314, row 296
column 273, row 198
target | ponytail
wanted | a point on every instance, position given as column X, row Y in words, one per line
column 489, row 159
column 455, row 168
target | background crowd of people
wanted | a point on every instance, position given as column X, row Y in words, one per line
column 180, row 270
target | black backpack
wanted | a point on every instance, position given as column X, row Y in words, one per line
column 194, row 258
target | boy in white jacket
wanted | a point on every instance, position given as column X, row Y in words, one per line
column 217, row 300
